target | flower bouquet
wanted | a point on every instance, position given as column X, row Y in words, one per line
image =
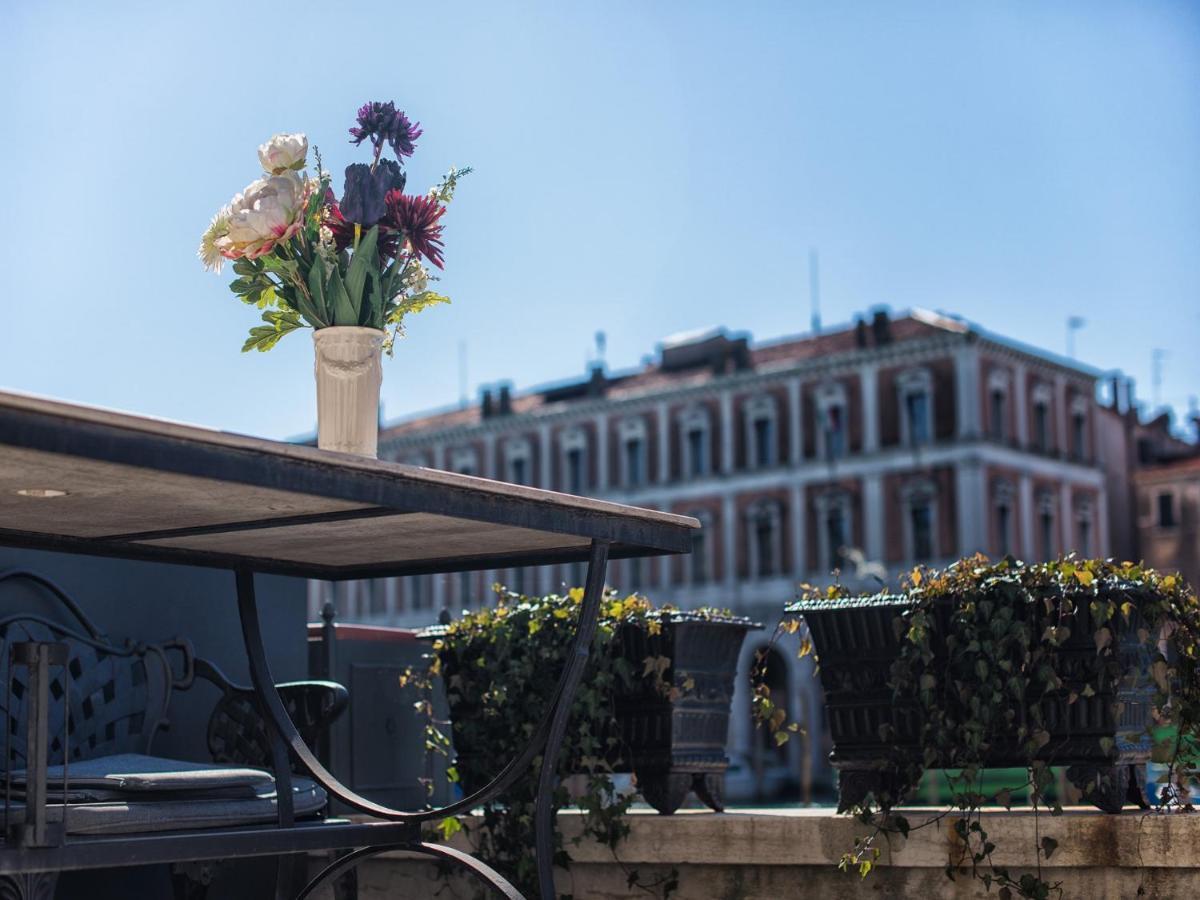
column 351, row 269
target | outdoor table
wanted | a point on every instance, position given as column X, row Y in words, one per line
column 147, row 489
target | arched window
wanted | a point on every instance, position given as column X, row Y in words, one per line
column 1003, row 512
column 920, row 521
column 771, row 667
column 761, row 434
column 420, row 593
column 1079, row 411
column 518, row 461
column 831, row 418
column 695, row 441
column 635, row 574
column 1047, row 544
column 834, row 529
column 632, row 433
column 998, row 383
column 573, row 444
column 915, row 397
column 464, row 460
column 764, row 530
column 1084, row 530
column 1041, row 418
column 698, row 564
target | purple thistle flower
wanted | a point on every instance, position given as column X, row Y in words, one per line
column 380, row 122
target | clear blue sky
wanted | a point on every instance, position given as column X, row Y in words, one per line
column 641, row 167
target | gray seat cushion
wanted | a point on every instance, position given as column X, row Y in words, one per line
column 136, row 773
column 131, row 793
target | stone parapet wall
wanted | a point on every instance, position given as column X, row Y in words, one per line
column 785, row 853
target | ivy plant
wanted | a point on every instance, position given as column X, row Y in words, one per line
column 500, row 666
column 979, row 655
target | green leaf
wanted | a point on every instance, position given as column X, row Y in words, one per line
column 279, row 322
column 280, row 266
column 448, row 827
column 363, row 261
column 316, row 287
column 344, row 312
column 415, row 304
column 1049, row 845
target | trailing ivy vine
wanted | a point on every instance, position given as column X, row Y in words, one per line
column 991, row 656
column 500, row 666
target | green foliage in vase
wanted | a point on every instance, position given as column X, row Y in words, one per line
column 309, row 260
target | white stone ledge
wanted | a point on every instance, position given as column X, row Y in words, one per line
column 782, row 853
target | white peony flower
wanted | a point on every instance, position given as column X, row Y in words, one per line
column 268, row 211
column 209, row 252
column 283, row 153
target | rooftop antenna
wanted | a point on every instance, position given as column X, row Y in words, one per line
column 814, row 289
column 1074, row 323
column 601, row 348
column 462, row 374
column 1157, row 355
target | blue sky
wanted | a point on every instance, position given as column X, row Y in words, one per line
column 641, row 167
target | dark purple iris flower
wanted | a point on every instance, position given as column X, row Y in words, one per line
column 365, row 189
column 380, row 122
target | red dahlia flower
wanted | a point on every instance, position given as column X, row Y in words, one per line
column 416, row 218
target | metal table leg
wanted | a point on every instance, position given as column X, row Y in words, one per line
column 548, row 734
column 543, row 816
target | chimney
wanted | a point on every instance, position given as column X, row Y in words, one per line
column 597, row 382
column 881, row 328
column 860, row 333
column 505, row 404
column 485, row 404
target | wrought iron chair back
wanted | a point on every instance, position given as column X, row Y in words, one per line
column 107, row 699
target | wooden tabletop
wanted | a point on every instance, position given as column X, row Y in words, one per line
column 86, row 480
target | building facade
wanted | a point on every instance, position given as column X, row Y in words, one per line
column 862, row 451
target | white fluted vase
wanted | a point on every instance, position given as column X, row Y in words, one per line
column 349, row 373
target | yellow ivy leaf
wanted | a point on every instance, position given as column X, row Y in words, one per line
column 560, row 613
column 805, row 648
column 916, row 577
column 1085, row 577
column 576, row 594
column 654, row 626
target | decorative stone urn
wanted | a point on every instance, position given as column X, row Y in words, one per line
column 349, row 373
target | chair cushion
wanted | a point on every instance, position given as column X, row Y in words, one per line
column 130, row 793
column 136, row 773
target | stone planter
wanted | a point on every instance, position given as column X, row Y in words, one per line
column 856, row 642
column 349, row 372
column 673, row 734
